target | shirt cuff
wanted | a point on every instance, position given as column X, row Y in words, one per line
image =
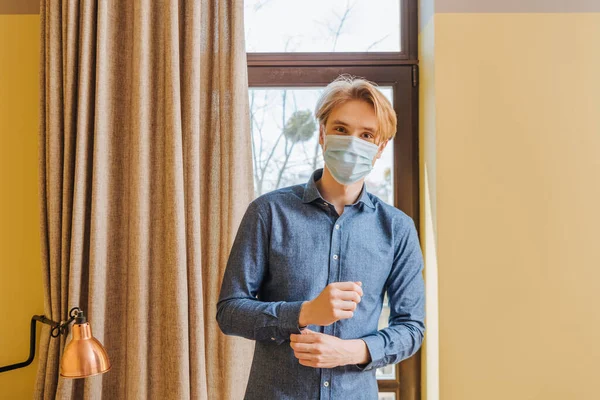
column 375, row 347
column 289, row 316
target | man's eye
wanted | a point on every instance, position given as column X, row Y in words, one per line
column 339, row 127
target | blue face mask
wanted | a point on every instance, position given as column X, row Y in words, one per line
column 348, row 158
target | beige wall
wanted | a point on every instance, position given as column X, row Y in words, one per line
column 510, row 130
column 20, row 269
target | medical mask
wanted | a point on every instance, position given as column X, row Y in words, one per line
column 348, row 158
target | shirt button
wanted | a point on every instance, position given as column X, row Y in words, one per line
column 337, row 226
column 326, row 384
column 335, row 256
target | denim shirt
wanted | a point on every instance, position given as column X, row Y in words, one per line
column 290, row 244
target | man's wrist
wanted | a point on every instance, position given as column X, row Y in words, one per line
column 303, row 320
column 359, row 352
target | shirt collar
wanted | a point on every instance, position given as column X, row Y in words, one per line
column 311, row 192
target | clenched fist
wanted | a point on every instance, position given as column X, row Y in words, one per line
column 337, row 301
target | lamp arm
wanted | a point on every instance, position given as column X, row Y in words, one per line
column 35, row 318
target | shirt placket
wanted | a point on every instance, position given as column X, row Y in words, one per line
column 334, row 272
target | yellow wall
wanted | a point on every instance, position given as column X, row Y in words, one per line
column 512, row 142
column 21, row 294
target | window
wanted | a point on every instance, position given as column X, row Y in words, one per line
column 294, row 50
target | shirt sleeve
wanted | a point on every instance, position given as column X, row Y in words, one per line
column 406, row 295
column 239, row 311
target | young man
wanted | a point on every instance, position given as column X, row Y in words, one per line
column 311, row 263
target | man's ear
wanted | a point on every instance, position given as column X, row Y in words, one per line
column 321, row 134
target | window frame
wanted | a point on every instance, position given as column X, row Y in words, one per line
column 396, row 69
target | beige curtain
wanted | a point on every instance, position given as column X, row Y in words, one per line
column 145, row 172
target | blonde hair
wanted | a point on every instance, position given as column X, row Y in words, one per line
column 345, row 88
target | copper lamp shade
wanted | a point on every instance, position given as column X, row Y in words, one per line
column 84, row 355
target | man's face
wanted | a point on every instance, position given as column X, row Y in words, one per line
column 354, row 118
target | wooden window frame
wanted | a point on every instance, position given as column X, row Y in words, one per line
column 396, row 69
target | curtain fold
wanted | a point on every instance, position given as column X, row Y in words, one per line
column 145, row 172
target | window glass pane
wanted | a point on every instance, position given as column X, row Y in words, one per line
column 284, row 157
column 387, row 396
column 322, row 25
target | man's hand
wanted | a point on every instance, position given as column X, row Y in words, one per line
column 337, row 301
column 318, row 350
